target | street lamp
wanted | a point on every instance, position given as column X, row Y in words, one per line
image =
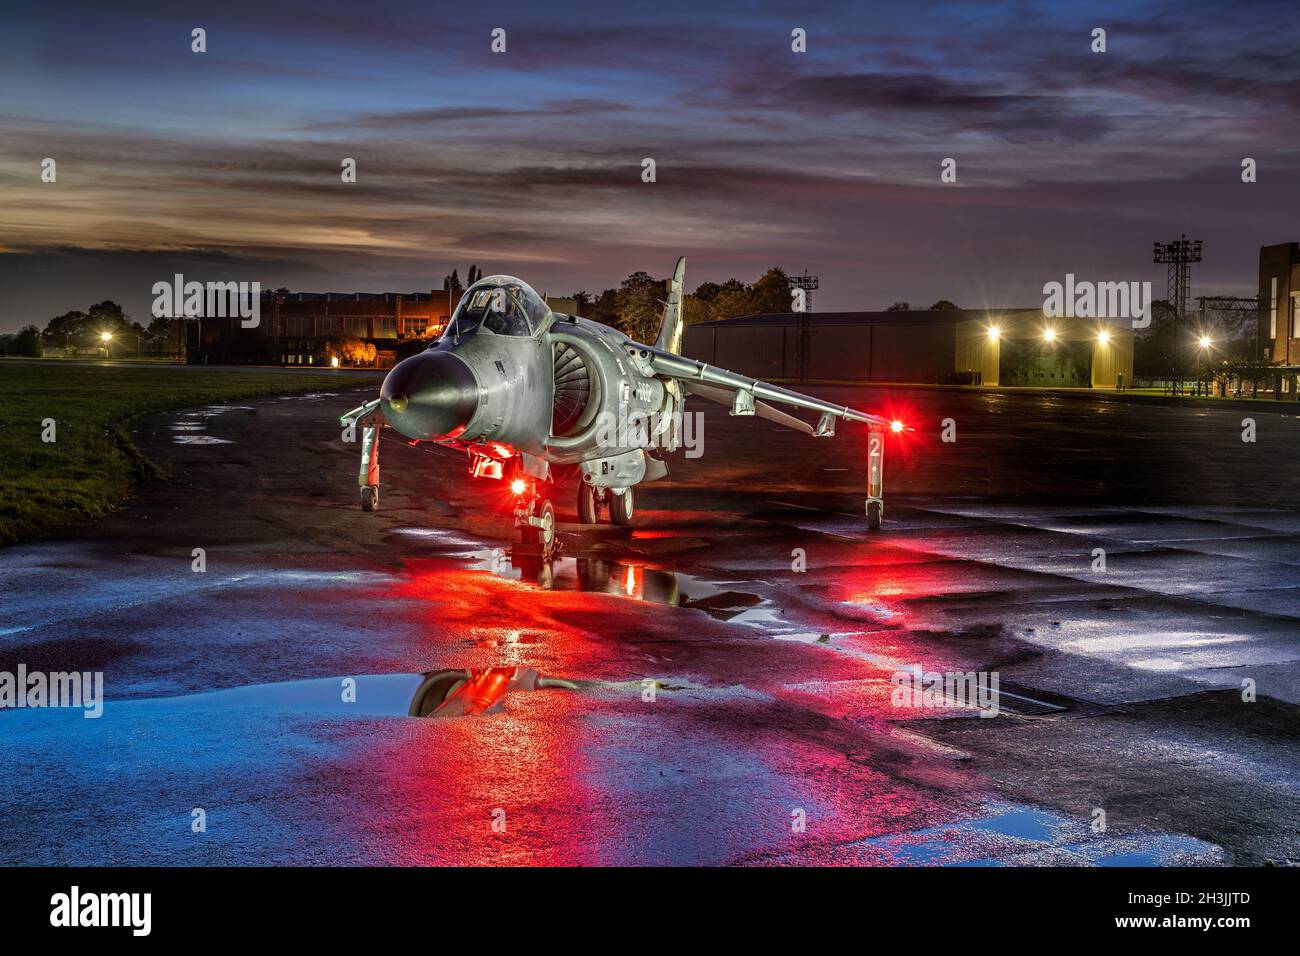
column 1049, row 335
column 1103, row 337
column 1206, row 341
column 107, row 339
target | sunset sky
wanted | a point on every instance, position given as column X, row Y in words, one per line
column 225, row 165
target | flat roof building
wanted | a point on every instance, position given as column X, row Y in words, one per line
column 295, row 328
column 958, row 346
column 1279, row 303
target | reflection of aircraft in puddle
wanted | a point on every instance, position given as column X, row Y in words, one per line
column 461, row 693
column 443, row 693
column 535, row 398
column 598, row 575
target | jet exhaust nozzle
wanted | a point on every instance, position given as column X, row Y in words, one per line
column 430, row 396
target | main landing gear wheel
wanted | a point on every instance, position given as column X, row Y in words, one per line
column 874, row 509
column 620, row 508
column 369, row 498
column 541, row 536
column 588, row 505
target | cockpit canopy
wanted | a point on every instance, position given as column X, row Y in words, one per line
column 503, row 305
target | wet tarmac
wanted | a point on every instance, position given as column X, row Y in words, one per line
column 726, row 672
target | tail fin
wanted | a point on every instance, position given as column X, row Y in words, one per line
column 670, row 332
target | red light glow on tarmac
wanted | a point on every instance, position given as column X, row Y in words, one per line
column 582, row 777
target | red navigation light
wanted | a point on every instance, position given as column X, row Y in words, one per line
column 896, row 426
column 518, row 486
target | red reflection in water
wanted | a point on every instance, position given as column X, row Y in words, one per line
column 478, row 694
column 708, row 775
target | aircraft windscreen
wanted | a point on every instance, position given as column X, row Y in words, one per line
column 507, row 309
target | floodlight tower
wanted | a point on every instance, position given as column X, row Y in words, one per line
column 808, row 284
column 1178, row 256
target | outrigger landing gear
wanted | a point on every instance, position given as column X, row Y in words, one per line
column 875, row 479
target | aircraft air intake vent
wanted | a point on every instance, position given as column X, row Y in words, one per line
column 572, row 389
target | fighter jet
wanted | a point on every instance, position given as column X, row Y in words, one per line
column 535, row 398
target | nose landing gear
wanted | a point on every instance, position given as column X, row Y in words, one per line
column 535, row 519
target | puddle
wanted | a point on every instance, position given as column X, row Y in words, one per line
column 197, row 421
column 461, row 545
column 605, row 576
column 447, row 693
column 1016, row 835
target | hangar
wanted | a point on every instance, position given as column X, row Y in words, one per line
column 1008, row 347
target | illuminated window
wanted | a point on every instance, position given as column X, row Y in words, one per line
column 1272, row 311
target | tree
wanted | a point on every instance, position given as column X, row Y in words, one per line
column 639, row 307
column 68, row 329
column 351, row 351
column 1154, row 347
column 27, row 342
column 771, row 293
column 109, row 316
column 900, row 306
column 943, row 305
column 734, row 298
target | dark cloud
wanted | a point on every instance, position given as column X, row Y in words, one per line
column 227, row 165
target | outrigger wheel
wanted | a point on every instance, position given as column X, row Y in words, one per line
column 874, row 509
column 369, row 498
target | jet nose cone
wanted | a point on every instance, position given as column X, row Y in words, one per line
column 432, row 395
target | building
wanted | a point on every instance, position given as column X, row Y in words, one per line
column 960, row 346
column 1279, row 303
column 299, row 328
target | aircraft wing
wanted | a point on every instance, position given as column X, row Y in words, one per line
column 743, row 392
column 726, row 397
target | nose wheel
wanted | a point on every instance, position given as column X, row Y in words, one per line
column 536, row 523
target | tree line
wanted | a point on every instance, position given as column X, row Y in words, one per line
column 79, row 330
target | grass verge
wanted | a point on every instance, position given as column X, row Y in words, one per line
column 88, row 469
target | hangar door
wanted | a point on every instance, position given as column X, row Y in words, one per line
column 1040, row 364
